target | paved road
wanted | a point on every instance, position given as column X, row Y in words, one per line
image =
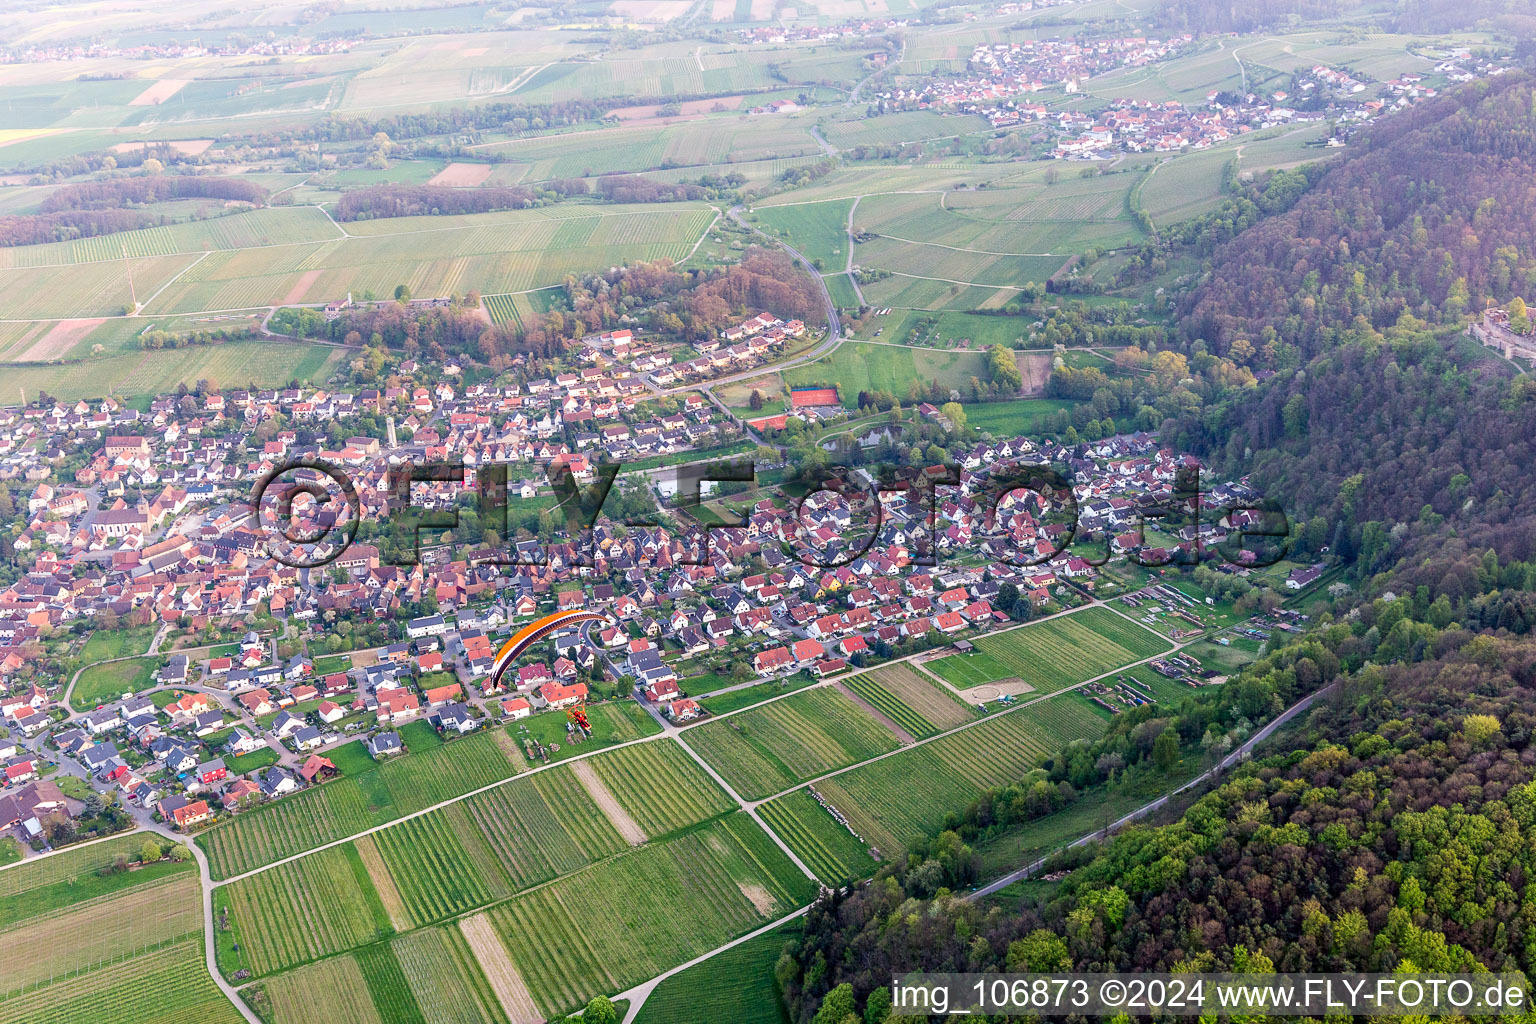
column 1237, row 755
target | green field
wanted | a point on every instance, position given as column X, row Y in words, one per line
column 967, row 670
column 167, row 983
column 856, row 367
column 735, row 700
column 427, row 975
column 901, row 798
column 101, row 684
column 299, row 911
column 130, row 374
column 41, row 886
column 817, row 230
column 826, row 847
column 122, row 642
column 341, row 808
column 736, row 985
column 768, row 749
column 1056, row 652
column 542, row 826
column 660, row 787
column 1022, row 417
column 572, row 939
column 441, row 865
column 120, row 948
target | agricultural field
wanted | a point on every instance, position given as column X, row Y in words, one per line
column 736, row 985
column 135, row 374
column 44, row 886
column 493, row 253
column 34, row 951
column 167, row 983
column 431, row 976
column 818, row 230
column 633, row 149
column 764, row 750
column 904, row 797
column 349, row 805
column 542, row 826
column 735, row 700
column 900, row 128
column 1062, row 651
column 856, row 367
column 571, row 939
column 441, row 865
column 911, row 699
column 659, row 787
column 1185, row 186
column 299, row 911
column 826, row 847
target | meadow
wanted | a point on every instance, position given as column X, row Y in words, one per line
column 856, row 367
column 100, row 684
column 348, row 805
column 768, row 749
column 572, row 939
column 1060, row 652
column 818, row 230
column 612, row 723
column 1024, row 416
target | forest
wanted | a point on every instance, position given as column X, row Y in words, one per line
column 102, row 207
column 1437, row 218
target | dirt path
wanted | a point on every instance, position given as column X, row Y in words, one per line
column 632, row 832
column 505, row 981
column 875, row 713
column 378, row 873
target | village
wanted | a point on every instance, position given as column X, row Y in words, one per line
column 186, row 559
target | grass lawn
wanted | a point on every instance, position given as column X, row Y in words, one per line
column 101, row 683
column 332, row 664
column 352, row 758
column 615, row 722
column 419, row 736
